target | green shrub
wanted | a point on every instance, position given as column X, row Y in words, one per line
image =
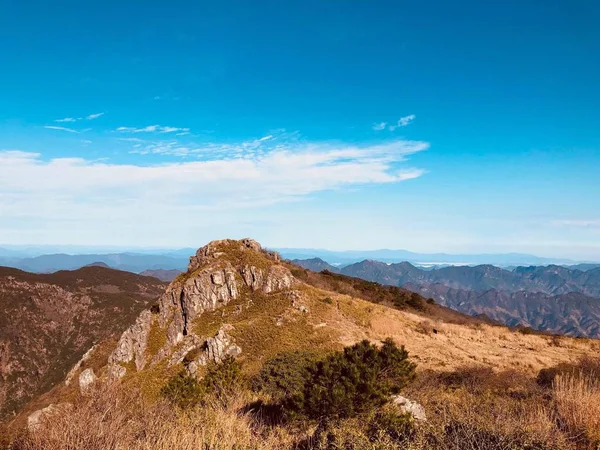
column 221, row 381
column 327, row 300
column 415, row 301
column 284, row 375
column 184, row 390
column 353, row 381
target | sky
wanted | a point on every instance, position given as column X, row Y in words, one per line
column 431, row 126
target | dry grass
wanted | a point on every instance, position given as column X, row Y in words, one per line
column 472, row 408
column 577, row 398
column 118, row 419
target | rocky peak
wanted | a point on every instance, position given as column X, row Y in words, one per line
column 222, row 248
column 219, row 273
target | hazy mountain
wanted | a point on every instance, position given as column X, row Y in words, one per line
column 162, row 274
column 132, row 262
column 385, row 255
column 49, row 321
column 315, row 264
column 584, row 266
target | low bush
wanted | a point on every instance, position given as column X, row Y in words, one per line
column 285, row 375
column 351, row 382
column 221, row 381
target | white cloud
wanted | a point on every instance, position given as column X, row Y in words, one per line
column 403, row 121
column 67, row 119
column 52, row 127
column 379, row 126
column 152, row 129
column 75, row 197
column 94, row 116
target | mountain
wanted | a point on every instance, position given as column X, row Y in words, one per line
column 584, row 266
column 162, row 274
column 430, row 259
column 239, row 311
column 131, row 262
column 572, row 314
column 553, row 279
column 49, row 321
column 315, row 264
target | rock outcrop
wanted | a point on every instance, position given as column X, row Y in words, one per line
column 87, row 378
column 219, row 273
column 133, row 342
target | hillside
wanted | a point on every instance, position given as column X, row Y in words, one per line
column 238, row 302
column 49, row 321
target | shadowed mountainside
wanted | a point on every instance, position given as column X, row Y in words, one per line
column 49, row 321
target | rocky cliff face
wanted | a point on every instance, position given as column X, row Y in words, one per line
column 218, row 273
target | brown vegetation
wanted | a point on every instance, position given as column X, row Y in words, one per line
column 470, row 408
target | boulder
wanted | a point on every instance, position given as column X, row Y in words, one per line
column 87, row 378
column 410, row 407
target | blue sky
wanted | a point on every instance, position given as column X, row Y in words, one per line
column 432, row 126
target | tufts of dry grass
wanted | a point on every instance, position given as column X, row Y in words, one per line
column 577, row 397
column 116, row 420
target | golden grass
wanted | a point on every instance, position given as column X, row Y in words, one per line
column 577, row 398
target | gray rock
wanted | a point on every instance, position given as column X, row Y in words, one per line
column 77, row 366
column 116, row 372
column 133, row 342
column 87, row 378
column 408, row 406
column 278, row 279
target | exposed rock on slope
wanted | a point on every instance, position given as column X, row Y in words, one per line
column 220, row 272
column 49, row 321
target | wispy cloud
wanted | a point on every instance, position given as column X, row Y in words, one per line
column 579, row 223
column 379, row 126
column 403, row 121
column 94, row 116
column 52, row 127
column 76, row 187
column 66, row 119
column 153, row 129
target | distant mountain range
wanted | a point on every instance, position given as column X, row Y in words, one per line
column 339, row 258
column 29, row 259
column 553, row 298
column 131, row 262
